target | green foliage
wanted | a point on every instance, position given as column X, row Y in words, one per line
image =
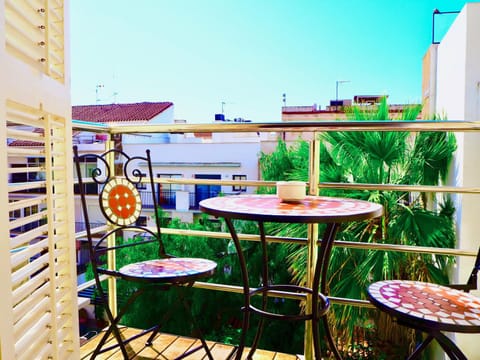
column 285, row 163
column 418, row 219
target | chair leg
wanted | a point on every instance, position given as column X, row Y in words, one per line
column 116, row 333
column 444, row 341
column 449, row 347
column 182, row 300
column 418, row 350
column 113, row 328
column 154, row 333
column 196, row 326
column 164, row 319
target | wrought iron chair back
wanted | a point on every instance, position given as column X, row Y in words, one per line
column 472, row 282
column 124, row 219
column 121, row 206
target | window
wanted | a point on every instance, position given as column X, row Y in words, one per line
column 16, row 214
column 167, row 192
column 205, row 191
column 141, row 221
column 239, row 187
column 36, row 162
column 142, row 185
column 87, row 167
column 23, row 213
column 30, row 174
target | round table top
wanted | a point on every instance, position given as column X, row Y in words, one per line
column 312, row 209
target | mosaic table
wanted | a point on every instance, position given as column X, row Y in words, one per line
column 269, row 208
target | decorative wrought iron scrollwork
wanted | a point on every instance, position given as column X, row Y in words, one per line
column 98, row 175
column 134, row 175
column 103, row 172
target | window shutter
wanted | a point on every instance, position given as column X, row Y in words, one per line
column 37, row 246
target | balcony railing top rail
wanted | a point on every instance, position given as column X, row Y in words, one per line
column 293, row 126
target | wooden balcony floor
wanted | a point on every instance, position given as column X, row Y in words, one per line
column 167, row 347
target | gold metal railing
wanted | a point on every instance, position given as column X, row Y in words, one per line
column 314, row 185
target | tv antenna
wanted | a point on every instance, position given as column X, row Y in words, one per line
column 223, row 103
column 97, row 87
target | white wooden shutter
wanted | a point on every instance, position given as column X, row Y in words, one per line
column 38, row 298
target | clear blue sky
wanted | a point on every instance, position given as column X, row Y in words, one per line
column 247, row 53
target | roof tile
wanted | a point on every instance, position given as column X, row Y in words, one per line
column 144, row 111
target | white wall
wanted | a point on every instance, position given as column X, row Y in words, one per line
column 165, row 117
column 458, row 97
column 244, row 153
column 451, row 59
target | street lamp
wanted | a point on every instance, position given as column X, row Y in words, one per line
column 336, row 92
column 438, row 12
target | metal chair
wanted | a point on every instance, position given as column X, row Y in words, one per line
column 121, row 206
column 431, row 308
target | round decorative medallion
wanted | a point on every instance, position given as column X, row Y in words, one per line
column 121, row 202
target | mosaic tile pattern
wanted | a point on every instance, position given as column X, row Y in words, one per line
column 311, row 209
column 121, row 202
column 169, row 269
column 447, row 307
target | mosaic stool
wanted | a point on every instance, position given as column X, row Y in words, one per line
column 429, row 308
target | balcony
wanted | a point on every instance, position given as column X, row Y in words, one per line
column 33, row 267
column 466, row 252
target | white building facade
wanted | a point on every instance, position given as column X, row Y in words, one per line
column 451, row 89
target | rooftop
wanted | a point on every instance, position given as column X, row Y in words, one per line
column 143, row 111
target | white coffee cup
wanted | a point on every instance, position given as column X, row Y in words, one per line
column 291, row 190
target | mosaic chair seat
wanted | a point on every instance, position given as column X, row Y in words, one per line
column 121, row 206
column 432, row 309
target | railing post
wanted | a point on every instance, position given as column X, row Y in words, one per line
column 312, row 235
column 111, row 263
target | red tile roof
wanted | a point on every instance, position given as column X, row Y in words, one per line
column 119, row 112
column 29, row 143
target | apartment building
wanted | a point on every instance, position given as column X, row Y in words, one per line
column 200, row 156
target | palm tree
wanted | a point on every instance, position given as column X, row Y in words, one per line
column 410, row 218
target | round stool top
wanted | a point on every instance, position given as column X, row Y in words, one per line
column 170, row 269
column 431, row 305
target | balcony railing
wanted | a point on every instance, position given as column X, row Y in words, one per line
column 167, row 198
column 300, row 128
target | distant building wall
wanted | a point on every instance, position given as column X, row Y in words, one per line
column 313, row 115
column 165, row 117
column 190, row 159
column 429, row 82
